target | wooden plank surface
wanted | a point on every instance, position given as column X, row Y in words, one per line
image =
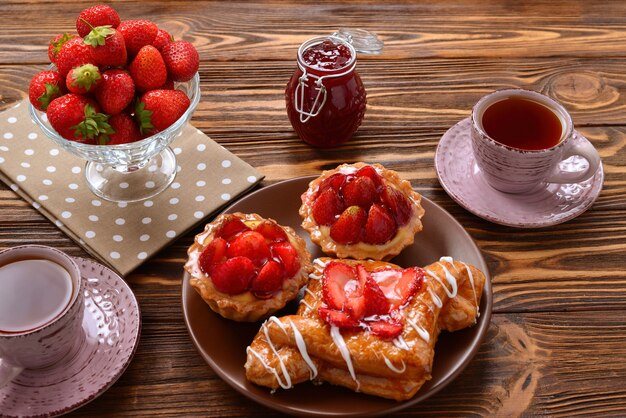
column 556, row 345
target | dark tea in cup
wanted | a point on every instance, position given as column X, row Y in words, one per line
column 522, row 123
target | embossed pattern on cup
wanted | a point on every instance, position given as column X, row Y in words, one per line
column 514, row 170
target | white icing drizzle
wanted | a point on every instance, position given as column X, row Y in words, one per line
column 451, row 261
column 268, row 367
column 303, row 352
column 471, row 279
column 449, row 278
column 315, row 276
column 345, row 353
column 435, row 298
column 306, row 289
column 320, row 263
column 287, row 384
column 400, row 343
column 306, row 304
column 394, row 368
column 421, row 331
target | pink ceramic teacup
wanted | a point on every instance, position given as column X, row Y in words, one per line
column 41, row 308
column 513, row 169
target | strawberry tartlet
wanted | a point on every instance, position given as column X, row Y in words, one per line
column 361, row 211
column 246, row 267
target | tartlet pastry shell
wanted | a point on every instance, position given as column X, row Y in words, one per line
column 245, row 307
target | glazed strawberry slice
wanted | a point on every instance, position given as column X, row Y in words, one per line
column 399, row 205
column 399, row 286
column 334, row 182
column 327, row 207
column 233, row 276
column 369, row 171
column 250, row 244
column 334, row 282
column 231, row 227
column 212, row 255
column 349, row 227
column 386, row 330
column 268, row 281
column 360, row 192
column 375, row 302
column 337, row 318
column 380, row 227
column 271, row 231
column 287, row 255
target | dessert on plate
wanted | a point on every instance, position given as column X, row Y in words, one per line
column 246, row 267
column 370, row 326
column 361, row 211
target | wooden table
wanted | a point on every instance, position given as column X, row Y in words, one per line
column 557, row 341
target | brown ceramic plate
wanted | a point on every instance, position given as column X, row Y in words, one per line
column 222, row 343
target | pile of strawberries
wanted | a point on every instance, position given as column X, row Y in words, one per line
column 360, row 207
column 357, row 299
column 240, row 258
column 114, row 80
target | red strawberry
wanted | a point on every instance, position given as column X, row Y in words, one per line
column 109, row 49
column 252, row 245
column 148, row 69
column 231, row 227
column 55, row 45
column 213, row 254
column 44, row 87
column 287, row 255
column 327, row 207
column 375, row 301
column 335, row 278
column 233, row 276
column 137, row 34
column 360, row 192
column 159, row 109
column 73, row 53
column 268, row 281
column 380, row 227
column 349, row 227
column 335, row 181
column 369, row 171
column 76, row 117
column 83, row 79
column 93, row 16
column 115, row 92
column 387, row 330
column 162, row 38
column 181, row 59
column 398, row 204
column 337, row 318
column 125, row 130
column 271, row 231
column 399, row 285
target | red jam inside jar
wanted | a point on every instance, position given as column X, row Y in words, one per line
column 325, row 96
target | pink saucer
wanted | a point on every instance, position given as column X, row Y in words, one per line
column 112, row 325
column 550, row 205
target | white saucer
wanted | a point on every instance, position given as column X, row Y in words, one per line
column 112, row 325
column 553, row 204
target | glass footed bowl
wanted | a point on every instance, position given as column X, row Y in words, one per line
column 129, row 172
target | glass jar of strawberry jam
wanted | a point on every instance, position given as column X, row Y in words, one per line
column 325, row 97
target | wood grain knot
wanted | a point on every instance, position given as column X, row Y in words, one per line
column 582, row 90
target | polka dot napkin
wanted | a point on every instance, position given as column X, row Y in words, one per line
column 122, row 235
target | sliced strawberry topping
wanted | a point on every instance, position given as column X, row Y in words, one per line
column 338, row 318
column 327, row 207
column 233, row 276
column 269, row 280
column 369, row 171
column 360, row 192
column 250, row 244
column 375, row 301
column 212, row 255
column 349, row 227
column 334, row 282
column 271, row 231
column 335, row 182
column 398, row 204
column 399, row 285
column 287, row 255
column 387, row 330
column 231, row 227
column 380, row 227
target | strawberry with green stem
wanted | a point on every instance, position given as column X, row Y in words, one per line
column 98, row 15
column 83, row 79
column 54, row 47
column 77, row 118
column 157, row 110
column 109, row 48
column 44, row 87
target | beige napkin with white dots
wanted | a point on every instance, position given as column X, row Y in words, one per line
column 122, row 235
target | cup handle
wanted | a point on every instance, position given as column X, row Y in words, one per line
column 8, row 372
column 583, row 148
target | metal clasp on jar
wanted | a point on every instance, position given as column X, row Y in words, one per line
column 317, row 106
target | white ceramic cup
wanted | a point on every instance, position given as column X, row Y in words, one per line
column 513, row 170
column 49, row 342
